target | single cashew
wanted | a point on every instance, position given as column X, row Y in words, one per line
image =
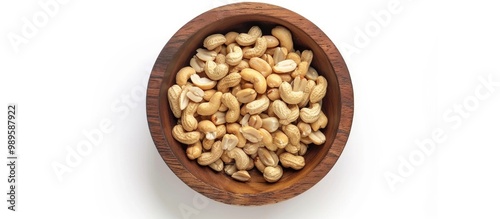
column 271, row 124
column 273, row 173
column 251, row 134
column 258, row 106
column 211, row 156
column 293, row 133
column 301, row 70
column 221, row 58
column 319, row 91
column 213, row 41
column 207, row 144
column 183, row 75
column 258, row 50
column 273, row 80
column 185, row 137
column 183, row 99
column 247, row 39
column 256, row 78
column 267, row 157
column 307, row 91
column 240, row 157
column 284, row 36
column 296, row 162
column 251, row 148
column 290, row 96
column 218, row 165
column 233, row 106
column 258, row 164
column 255, row 121
column 218, row 118
column 246, row 95
column 294, row 56
column 317, row 137
column 271, row 41
column 303, row 149
column 294, row 149
column 197, row 64
column 260, row 65
column 279, row 54
column 281, row 109
column 216, row 71
column 208, row 94
column 188, row 121
column 206, row 55
column 229, row 169
column 207, row 109
column 305, row 140
column 234, row 128
column 231, row 80
column 285, row 66
column 273, row 94
column 193, row 151
column 203, row 83
column 195, row 94
column 312, row 74
column 208, row 128
column 310, row 115
column 173, row 94
column 320, row 123
column 241, row 175
column 221, row 131
column 231, row 37
column 305, row 129
column 280, row 139
column 242, row 65
column 294, row 115
column 267, row 139
column 234, row 54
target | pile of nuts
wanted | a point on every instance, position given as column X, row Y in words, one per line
column 249, row 100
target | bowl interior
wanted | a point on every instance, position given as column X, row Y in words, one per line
column 218, row 185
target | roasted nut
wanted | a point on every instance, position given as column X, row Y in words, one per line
column 295, row 162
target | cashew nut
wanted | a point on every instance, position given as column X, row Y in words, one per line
column 193, row 151
column 213, row 41
column 241, row 175
column 231, row 80
column 258, row 106
column 310, row 115
column 273, row 80
column 246, row 95
column 295, row 162
column 233, row 106
column 320, row 123
column 240, row 157
column 271, row 41
column 284, row 36
column 173, row 94
column 218, row 165
column 251, row 134
column 319, row 91
column 260, row 65
column 216, row 71
column 188, row 122
column 234, row 55
column 273, row 173
column 203, row 83
column 211, row 156
column 258, row 50
column 293, row 134
column 183, row 75
column 290, row 96
column 256, row 78
column 185, row 137
column 234, row 128
column 285, row 66
column 206, row 55
column 208, row 128
column 206, row 109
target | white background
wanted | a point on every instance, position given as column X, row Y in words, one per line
column 412, row 74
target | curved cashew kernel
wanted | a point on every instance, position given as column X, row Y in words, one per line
column 255, row 31
column 208, row 128
column 242, row 65
column 257, row 106
column 203, row 83
column 257, row 163
column 285, row 66
column 233, row 106
column 273, row 174
column 206, row 55
column 216, row 71
column 307, row 56
column 312, row 74
column 251, row 148
column 251, row 134
column 301, row 70
column 218, row 118
column 303, row 149
column 273, row 94
column 241, row 175
column 246, row 95
column 267, row 139
column 284, row 36
column 280, row 139
column 293, row 56
column 281, row 109
column 221, row 131
column 234, row 55
column 214, row 154
column 294, row 149
column 294, row 161
column 213, row 41
column 234, row 128
column 197, row 64
column 271, row 124
column 208, row 94
column 218, row 165
column 271, row 41
column 319, row 91
column 317, row 137
column 320, row 123
column 256, row 78
column 173, row 94
column 193, row 151
column 258, row 50
column 307, row 91
column 231, row 37
column 305, row 129
column 267, row 158
column 195, row 94
column 290, row 96
column 279, row 54
column 207, row 144
column 273, row 80
column 188, row 122
column 245, row 39
column 255, row 121
column 231, row 80
column 207, row 109
column 260, row 65
column 310, row 115
column 294, row 115
column 293, row 134
column 183, row 75
column 240, row 157
column 185, row 137
column 229, row 169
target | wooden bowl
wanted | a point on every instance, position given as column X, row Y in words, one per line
column 337, row 105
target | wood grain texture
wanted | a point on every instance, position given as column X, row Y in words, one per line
column 338, row 105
